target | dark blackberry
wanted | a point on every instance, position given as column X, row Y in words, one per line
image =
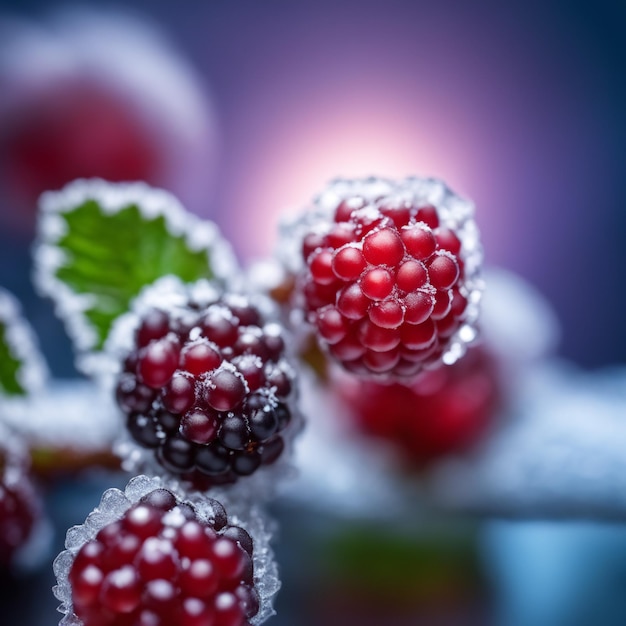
column 164, row 564
column 176, row 454
column 213, row 459
column 155, row 326
column 234, row 432
column 132, row 395
column 283, row 415
column 169, row 422
column 209, row 391
column 144, row 429
column 263, row 423
column 245, row 463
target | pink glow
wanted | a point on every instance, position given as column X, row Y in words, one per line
column 349, row 139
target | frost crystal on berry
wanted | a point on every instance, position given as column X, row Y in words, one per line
column 388, row 274
column 148, row 556
column 205, row 384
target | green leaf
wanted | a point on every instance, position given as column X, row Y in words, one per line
column 111, row 257
column 114, row 240
column 22, row 368
column 9, row 367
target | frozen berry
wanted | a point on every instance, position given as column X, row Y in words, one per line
column 184, row 568
column 441, row 413
column 400, row 262
column 19, row 507
column 202, row 386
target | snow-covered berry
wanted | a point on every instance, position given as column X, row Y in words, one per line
column 149, row 557
column 208, row 388
column 388, row 274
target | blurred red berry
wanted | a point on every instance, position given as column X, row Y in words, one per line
column 444, row 412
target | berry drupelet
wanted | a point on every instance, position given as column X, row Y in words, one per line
column 164, row 564
column 390, row 275
column 208, row 388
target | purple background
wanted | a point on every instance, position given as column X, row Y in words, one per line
column 519, row 106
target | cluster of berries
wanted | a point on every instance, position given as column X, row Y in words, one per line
column 388, row 281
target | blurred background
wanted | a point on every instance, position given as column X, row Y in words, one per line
column 245, row 110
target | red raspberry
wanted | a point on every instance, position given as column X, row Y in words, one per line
column 19, row 508
column 164, row 564
column 390, row 279
column 443, row 412
column 208, row 388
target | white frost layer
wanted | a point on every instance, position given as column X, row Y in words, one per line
column 351, row 475
column 172, row 295
column 454, row 212
column 115, row 503
column 199, row 235
column 14, row 455
column 22, row 344
column 561, row 453
column 74, row 414
column 340, row 472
